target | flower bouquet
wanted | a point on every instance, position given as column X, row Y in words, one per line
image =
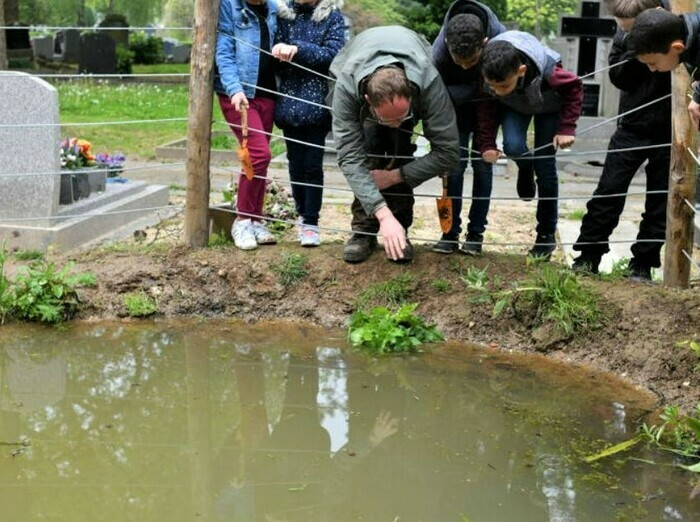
column 114, row 163
column 76, row 154
column 89, row 176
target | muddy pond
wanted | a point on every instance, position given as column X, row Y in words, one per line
column 218, row 420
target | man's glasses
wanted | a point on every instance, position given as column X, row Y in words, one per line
column 396, row 122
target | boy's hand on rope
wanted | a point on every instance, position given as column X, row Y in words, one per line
column 491, row 156
column 562, row 141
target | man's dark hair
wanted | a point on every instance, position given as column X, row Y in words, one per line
column 387, row 83
column 630, row 8
column 464, row 35
column 653, row 31
column 500, row 60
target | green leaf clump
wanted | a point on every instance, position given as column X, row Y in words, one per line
column 381, row 331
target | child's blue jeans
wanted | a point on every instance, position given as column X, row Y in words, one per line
column 515, row 126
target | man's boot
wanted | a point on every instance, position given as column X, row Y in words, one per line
column 358, row 248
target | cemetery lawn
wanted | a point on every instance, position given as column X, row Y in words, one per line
column 644, row 332
column 90, row 101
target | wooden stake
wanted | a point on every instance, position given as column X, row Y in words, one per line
column 681, row 183
column 206, row 14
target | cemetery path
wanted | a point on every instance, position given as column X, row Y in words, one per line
column 637, row 339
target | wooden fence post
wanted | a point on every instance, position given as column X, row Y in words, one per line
column 206, row 14
column 681, row 182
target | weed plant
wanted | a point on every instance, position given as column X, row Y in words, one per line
column 553, row 295
column 694, row 347
column 291, row 270
column 395, row 291
column 28, row 255
column 5, row 293
column 441, row 285
column 380, row 331
column 140, row 304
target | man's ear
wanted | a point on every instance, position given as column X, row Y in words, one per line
column 522, row 70
column 677, row 46
column 367, row 98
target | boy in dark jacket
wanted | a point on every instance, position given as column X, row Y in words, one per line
column 649, row 132
column 529, row 82
column 662, row 40
column 457, row 50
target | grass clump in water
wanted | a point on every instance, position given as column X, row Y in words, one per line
column 381, row 331
column 139, row 304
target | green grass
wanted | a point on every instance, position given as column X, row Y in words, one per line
column 395, row 291
column 291, row 269
column 139, row 304
column 575, row 215
column 161, row 68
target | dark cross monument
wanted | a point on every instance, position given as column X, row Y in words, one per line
column 588, row 28
column 98, row 54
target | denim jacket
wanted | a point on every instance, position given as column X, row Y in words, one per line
column 237, row 63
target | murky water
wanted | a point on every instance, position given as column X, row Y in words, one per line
column 278, row 422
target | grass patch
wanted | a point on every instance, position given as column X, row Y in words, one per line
column 139, row 304
column 575, row 215
column 292, row 269
column 28, row 255
column 381, row 331
column 161, row 68
column 395, row 291
column 441, row 285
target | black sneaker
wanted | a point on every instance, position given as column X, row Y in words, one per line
column 446, row 245
column 638, row 271
column 472, row 244
column 544, row 246
column 358, row 248
column 586, row 264
column 526, row 183
column 407, row 254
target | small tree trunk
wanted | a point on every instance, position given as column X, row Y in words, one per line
column 681, row 183
column 206, row 13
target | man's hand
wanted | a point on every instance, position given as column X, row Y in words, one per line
column 694, row 110
column 562, row 141
column 491, row 156
column 284, row 52
column 393, row 233
column 386, row 178
column 239, row 101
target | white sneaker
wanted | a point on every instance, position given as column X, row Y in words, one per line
column 310, row 236
column 243, row 235
column 262, row 235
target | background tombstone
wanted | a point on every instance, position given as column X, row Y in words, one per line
column 43, row 47
column 69, row 42
column 26, row 99
column 181, row 53
column 169, row 45
column 98, row 54
column 18, row 44
column 120, row 36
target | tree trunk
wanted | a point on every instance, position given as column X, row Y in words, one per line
column 3, row 42
column 206, row 13
column 11, row 11
column 681, row 182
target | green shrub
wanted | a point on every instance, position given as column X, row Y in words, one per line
column 5, row 293
column 41, row 292
column 146, row 50
column 139, row 304
column 381, row 331
column 125, row 58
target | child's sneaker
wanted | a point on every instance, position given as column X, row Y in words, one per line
column 243, row 235
column 262, row 235
column 309, row 236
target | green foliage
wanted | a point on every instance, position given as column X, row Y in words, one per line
column 677, row 433
column 217, row 240
column 147, row 49
column 381, row 331
column 441, row 285
column 41, row 292
column 475, row 278
column 5, row 293
column 224, row 142
column 395, row 291
column 84, row 12
column 125, row 57
column 292, row 269
column 140, row 304
column 542, row 18
column 618, row 271
column 575, row 215
column 28, row 255
column 694, row 347
column 555, row 296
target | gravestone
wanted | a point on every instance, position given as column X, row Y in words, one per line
column 43, row 47
column 17, row 42
column 98, row 54
column 181, row 53
column 120, row 34
column 33, row 151
column 169, row 45
column 588, row 29
column 69, row 46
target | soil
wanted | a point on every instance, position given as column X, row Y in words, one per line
column 637, row 339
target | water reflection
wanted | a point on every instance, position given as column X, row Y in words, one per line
column 221, row 421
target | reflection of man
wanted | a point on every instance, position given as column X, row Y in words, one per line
column 386, row 83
